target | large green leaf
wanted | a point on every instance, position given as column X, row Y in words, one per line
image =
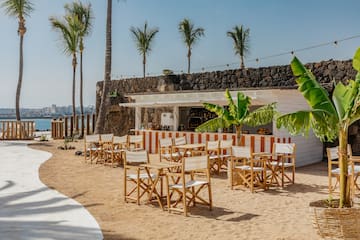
column 232, row 107
column 218, row 110
column 356, row 60
column 261, row 116
column 344, row 98
column 316, row 96
column 212, row 125
column 323, row 124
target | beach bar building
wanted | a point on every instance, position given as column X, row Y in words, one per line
column 172, row 105
column 178, row 120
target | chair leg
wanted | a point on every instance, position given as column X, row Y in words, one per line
column 184, row 200
column 138, row 188
column 210, row 196
column 168, row 193
column 125, row 183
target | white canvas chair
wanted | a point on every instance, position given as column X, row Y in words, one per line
column 136, row 143
column 106, row 141
column 186, row 190
column 225, row 152
column 251, row 171
column 334, row 170
column 166, row 150
column 283, row 159
column 212, row 148
column 91, row 147
column 136, row 175
column 355, row 167
column 180, row 141
column 116, row 150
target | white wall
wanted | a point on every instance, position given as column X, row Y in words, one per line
column 308, row 149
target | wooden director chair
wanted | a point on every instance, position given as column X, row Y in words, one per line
column 193, row 177
column 91, row 147
column 251, row 171
column 136, row 175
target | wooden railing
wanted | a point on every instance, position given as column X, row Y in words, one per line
column 17, row 130
column 68, row 126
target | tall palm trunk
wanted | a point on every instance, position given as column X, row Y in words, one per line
column 343, row 164
column 81, row 93
column 189, row 56
column 242, row 66
column 144, row 64
column 73, row 90
column 21, row 31
column 18, row 88
column 100, row 121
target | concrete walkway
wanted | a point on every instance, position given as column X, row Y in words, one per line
column 30, row 210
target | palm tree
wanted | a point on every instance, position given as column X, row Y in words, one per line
column 237, row 115
column 143, row 39
column 19, row 9
column 69, row 28
column 328, row 119
column 104, row 102
column 85, row 16
column 190, row 36
column 240, row 36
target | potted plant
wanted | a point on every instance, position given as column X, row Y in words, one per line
column 329, row 119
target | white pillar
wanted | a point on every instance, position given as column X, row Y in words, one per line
column 176, row 118
column 137, row 117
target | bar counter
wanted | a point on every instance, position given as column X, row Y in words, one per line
column 259, row 143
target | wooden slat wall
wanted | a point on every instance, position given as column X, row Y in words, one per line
column 260, row 143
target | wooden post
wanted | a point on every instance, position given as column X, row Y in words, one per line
column 93, row 123
column 82, row 125
column 87, row 124
column 77, row 123
column 66, row 126
column 71, row 126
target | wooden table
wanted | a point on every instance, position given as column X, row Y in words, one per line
column 189, row 148
column 160, row 168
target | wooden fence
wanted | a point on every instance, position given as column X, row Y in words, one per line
column 17, row 130
column 68, row 126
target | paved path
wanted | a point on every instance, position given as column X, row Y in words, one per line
column 30, row 210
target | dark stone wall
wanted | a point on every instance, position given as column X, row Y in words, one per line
column 120, row 120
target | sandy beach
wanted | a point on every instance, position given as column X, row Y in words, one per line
column 237, row 214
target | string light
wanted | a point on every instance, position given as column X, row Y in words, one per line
column 258, row 59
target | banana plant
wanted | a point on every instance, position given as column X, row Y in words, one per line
column 328, row 119
column 237, row 114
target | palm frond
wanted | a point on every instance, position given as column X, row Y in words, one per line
column 218, row 110
column 18, row 8
column 324, row 125
column 69, row 32
column 143, row 38
column 189, row 33
column 241, row 40
column 212, row 125
column 313, row 92
column 261, row 116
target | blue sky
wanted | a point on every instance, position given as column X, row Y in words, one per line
column 276, row 26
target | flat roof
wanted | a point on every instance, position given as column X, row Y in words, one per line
column 197, row 98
